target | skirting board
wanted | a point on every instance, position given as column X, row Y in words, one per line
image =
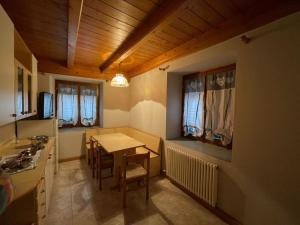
column 71, row 159
column 216, row 211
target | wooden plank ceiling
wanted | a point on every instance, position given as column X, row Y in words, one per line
column 77, row 37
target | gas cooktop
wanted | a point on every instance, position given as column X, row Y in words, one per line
column 26, row 159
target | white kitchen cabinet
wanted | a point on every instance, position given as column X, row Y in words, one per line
column 49, row 175
column 7, row 78
column 33, row 190
column 25, row 91
column 34, row 92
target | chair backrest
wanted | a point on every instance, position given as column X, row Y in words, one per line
column 90, row 132
column 136, row 158
column 93, row 143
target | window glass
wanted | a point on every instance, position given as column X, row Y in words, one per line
column 220, row 106
column 193, row 112
column 208, row 106
column 67, row 99
column 88, row 103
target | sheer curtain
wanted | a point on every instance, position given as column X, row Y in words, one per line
column 88, row 103
column 67, row 109
column 193, row 112
column 220, row 106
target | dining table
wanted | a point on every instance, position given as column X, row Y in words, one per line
column 117, row 144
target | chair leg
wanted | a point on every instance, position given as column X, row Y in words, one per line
column 147, row 188
column 91, row 159
column 97, row 165
column 93, row 166
column 124, row 193
column 100, row 179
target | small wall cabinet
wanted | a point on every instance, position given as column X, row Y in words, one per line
column 18, row 74
column 7, row 81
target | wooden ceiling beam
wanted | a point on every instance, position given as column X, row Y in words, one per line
column 47, row 66
column 255, row 17
column 161, row 16
column 75, row 9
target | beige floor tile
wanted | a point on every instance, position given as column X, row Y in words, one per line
column 76, row 200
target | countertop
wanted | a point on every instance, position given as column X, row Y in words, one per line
column 27, row 181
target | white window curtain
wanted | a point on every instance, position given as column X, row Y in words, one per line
column 220, row 106
column 88, row 103
column 193, row 112
column 67, row 109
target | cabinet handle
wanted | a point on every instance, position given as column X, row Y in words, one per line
column 42, row 191
column 50, row 156
column 43, row 204
column 44, row 216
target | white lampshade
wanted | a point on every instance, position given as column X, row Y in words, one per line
column 119, row 81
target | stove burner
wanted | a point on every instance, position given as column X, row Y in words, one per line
column 15, row 164
column 40, row 138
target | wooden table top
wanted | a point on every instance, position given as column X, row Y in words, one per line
column 117, row 142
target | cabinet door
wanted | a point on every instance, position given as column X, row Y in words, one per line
column 7, row 91
column 28, row 94
column 20, row 98
column 34, row 85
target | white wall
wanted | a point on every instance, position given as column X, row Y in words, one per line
column 71, row 144
column 7, row 132
column 174, row 105
column 115, row 106
column 114, row 102
column 261, row 185
column 148, row 102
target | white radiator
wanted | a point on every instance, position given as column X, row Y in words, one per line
column 196, row 175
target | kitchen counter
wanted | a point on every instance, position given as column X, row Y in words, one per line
column 26, row 181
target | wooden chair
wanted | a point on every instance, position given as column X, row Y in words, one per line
column 88, row 134
column 103, row 161
column 92, row 155
column 133, row 170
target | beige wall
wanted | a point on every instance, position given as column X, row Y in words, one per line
column 148, row 102
column 7, row 132
column 115, row 104
column 261, row 184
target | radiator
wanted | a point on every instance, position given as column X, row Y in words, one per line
column 190, row 171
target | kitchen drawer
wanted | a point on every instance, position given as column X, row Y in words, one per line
column 41, row 184
column 41, row 188
column 42, row 217
column 41, row 203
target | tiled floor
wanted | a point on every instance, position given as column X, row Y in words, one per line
column 76, row 200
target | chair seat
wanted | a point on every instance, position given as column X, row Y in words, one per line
column 135, row 170
column 142, row 150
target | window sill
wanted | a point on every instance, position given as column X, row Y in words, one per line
column 205, row 148
column 75, row 129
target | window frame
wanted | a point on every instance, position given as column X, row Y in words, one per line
column 78, row 84
column 193, row 76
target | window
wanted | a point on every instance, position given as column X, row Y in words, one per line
column 208, row 106
column 77, row 104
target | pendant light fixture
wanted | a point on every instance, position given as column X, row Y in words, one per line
column 119, row 80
